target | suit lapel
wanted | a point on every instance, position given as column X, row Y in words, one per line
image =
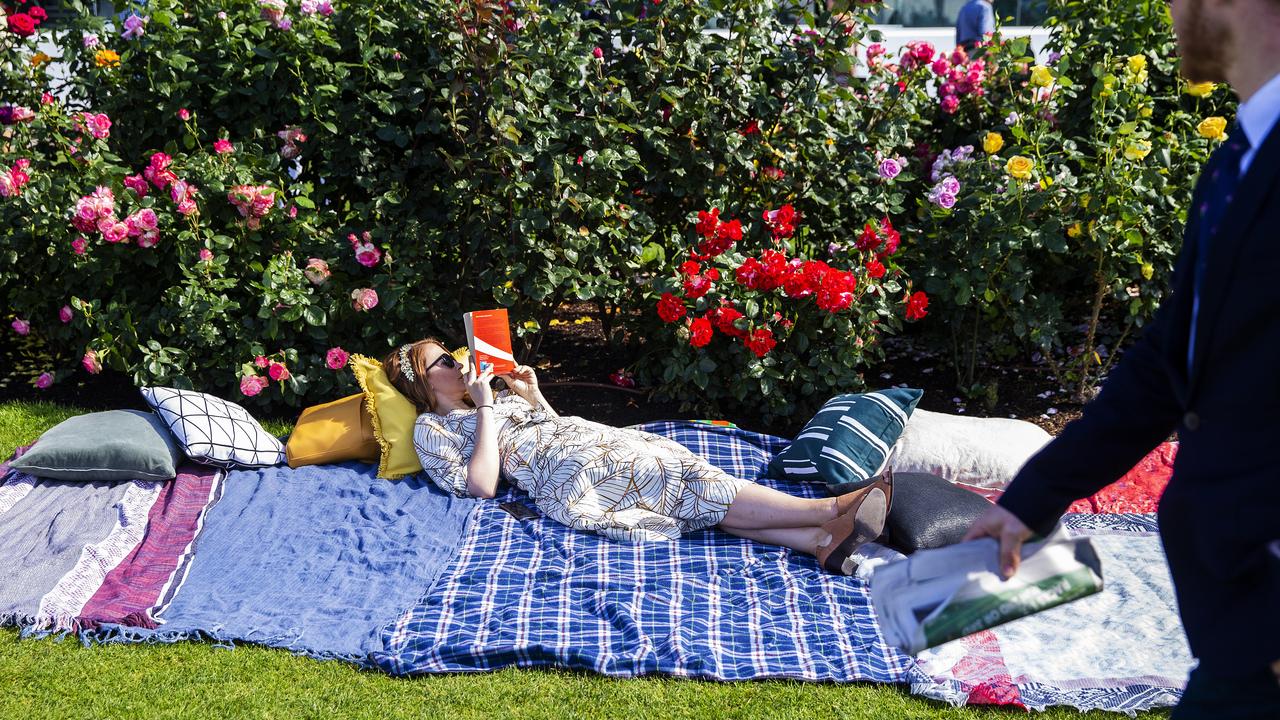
column 1224, row 247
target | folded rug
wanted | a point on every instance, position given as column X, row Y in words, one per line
column 75, row 554
column 315, row 559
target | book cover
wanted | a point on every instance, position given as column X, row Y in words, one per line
column 489, row 340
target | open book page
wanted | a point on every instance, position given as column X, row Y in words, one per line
column 939, row 595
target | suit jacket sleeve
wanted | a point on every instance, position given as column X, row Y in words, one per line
column 1135, row 411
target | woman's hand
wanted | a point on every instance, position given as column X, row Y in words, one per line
column 478, row 386
column 523, row 381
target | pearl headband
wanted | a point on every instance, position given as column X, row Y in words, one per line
column 406, row 368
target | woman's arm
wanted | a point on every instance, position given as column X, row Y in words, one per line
column 482, row 470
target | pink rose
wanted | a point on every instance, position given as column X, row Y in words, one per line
column 118, row 232
column 90, row 362
column 336, row 358
column 137, row 184
column 44, row 381
column 251, row 385
column 222, row 146
column 98, row 125
column 184, row 114
column 65, row 314
column 950, row 103
column 89, row 39
column 597, row 53
column 187, row 207
column 149, row 238
column 79, row 245
column 146, row 219
column 260, row 361
column 206, row 255
column 277, row 371
column 364, row 299
column 317, row 271
column 20, row 326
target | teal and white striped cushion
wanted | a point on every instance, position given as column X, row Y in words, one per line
column 849, row 440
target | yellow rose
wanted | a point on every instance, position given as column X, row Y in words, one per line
column 1203, row 89
column 105, row 58
column 1212, row 128
column 992, row 143
column 1020, row 167
column 1144, row 112
column 1137, row 63
column 1137, row 150
column 1041, row 77
column 1075, row 230
column 1147, row 271
column 39, row 59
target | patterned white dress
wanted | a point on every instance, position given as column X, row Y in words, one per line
column 621, row 483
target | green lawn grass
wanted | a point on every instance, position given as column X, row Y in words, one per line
column 62, row 679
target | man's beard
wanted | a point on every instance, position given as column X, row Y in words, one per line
column 1203, row 44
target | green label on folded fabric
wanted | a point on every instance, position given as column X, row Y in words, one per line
column 970, row 616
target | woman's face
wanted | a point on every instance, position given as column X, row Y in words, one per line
column 444, row 375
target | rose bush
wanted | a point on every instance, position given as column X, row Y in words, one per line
column 226, row 195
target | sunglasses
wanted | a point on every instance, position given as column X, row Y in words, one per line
column 445, row 360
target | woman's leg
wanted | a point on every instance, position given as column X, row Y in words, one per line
column 801, row 539
column 757, row 507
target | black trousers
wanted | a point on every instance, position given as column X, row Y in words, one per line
column 1256, row 697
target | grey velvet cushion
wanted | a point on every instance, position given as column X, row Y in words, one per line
column 929, row 512
column 111, row 445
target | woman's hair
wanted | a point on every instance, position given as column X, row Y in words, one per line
column 418, row 391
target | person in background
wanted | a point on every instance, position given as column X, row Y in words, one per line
column 1206, row 367
column 974, row 22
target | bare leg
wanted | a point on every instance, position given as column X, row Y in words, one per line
column 756, row 507
column 801, row 539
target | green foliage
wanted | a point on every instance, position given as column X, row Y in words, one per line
column 1074, row 258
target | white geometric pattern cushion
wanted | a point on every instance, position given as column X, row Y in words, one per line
column 213, row 431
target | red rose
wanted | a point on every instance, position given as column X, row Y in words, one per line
column 731, row 231
column 752, row 128
column 749, row 273
column 670, row 308
column 869, row 239
column 775, row 270
column 22, row 24
column 715, row 245
column 891, row 238
column 707, row 222
column 38, row 14
column 836, row 291
column 690, row 267
column 781, row 222
column 805, row 278
column 761, row 341
column 695, row 286
column 713, row 274
column 700, row 332
column 917, row 306
column 724, row 318
column 875, row 269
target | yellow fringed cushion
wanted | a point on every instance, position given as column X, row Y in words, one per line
column 393, row 416
column 333, row 432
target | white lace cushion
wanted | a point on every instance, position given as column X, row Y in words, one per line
column 214, row 431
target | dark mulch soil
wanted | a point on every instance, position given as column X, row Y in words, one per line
column 575, row 361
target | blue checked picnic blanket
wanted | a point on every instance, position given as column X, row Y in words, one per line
column 535, row 593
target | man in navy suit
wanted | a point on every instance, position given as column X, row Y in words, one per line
column 1208, row 366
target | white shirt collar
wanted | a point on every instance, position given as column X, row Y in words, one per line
column 1259, row 114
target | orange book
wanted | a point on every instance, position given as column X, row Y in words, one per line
column 489, row 340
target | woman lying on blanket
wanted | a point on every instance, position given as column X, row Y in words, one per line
column 621, row 483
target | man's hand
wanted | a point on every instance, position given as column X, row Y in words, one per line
column 1005, row 527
